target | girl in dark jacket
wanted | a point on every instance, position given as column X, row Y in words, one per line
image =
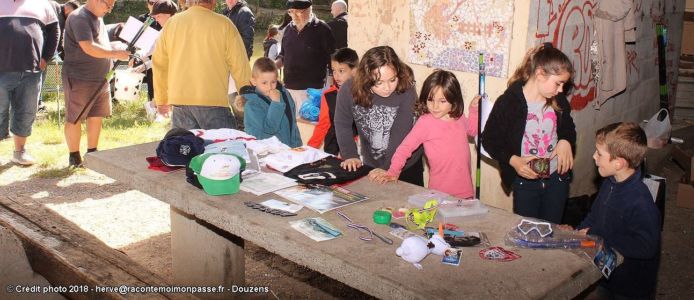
column 531, row 134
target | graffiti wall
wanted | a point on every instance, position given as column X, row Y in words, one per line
column 568, row 24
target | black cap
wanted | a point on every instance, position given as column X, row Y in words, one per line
column 164, row 7
column 299, row 4
column 177, row 132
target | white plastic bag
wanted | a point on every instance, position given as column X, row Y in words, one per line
column 127, row 85
column 658, row 131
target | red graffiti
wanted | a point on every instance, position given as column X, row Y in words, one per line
column 631, row 62
column 569, row 26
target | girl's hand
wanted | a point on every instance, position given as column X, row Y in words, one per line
column 385, row 178
column 375, row 173
column 522, row 166
column 565, row 158
column 584, row 231
column 475, row 102
column 351, row 164
column 381, row 176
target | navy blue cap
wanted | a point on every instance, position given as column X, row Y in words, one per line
column 176, row 150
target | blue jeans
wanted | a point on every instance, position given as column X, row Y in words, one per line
column 202, row 117
column 19, row 96
column 541, row 198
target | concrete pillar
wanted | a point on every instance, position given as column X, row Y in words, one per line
column 204, row 255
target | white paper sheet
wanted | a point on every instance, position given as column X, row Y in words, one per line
column 146, row 42
column 486, row 109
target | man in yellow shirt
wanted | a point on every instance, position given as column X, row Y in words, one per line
column 195, row 53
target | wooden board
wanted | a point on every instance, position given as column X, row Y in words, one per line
column 68, row 256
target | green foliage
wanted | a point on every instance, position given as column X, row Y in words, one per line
column 263, row 21
column 276, row 4
column 272, row 13
column 125, row 8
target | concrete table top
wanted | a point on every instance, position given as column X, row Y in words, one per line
column 371, row 267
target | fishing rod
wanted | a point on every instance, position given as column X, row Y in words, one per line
column 478, row 173
column 130, row 48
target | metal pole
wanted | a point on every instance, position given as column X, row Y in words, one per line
column 478, row 173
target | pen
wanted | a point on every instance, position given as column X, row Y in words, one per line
column 382, row 238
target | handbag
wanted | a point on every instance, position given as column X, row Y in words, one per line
column 658, row 129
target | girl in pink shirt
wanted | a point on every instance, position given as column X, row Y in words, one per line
column 443, row 129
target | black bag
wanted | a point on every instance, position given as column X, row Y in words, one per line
column 326, row 171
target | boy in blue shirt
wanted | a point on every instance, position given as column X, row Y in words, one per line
column 624, row 213
column 268, row 109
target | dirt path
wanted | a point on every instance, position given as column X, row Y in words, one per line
column 139, row 226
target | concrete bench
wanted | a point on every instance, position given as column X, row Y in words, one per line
column 72, row 259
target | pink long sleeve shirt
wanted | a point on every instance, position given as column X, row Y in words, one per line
column 447, row 150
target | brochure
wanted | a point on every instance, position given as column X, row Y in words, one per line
column 263, row 183
column 281, row 205
column 452, row 256
column 321, row 198
column 607, row 259
column 317, row 229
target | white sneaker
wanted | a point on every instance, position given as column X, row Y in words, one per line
column 22, row 158
column 151, row 111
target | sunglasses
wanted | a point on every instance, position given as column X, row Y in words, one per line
column 109, row 6
column 543, row 228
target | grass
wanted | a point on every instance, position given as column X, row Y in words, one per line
column 128, row 125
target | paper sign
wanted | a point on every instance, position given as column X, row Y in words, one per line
column 146, row 42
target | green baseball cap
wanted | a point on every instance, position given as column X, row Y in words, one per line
column 218, row 173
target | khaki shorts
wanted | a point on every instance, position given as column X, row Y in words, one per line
column 77, row 97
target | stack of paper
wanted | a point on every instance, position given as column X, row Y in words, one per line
column 263, row 183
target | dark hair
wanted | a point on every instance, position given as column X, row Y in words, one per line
column 346, row 56
column 449, row 85
column 547, row 58
column 263, row 65
column 72, row 3
column 624, row 140
column 272, row 31
column 367, row 73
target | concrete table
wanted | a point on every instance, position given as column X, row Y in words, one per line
column 208, row 233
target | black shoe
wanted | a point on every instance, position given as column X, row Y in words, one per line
column 42, row 108
column 75, row 162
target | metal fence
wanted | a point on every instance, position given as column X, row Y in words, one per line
column 53, row 82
